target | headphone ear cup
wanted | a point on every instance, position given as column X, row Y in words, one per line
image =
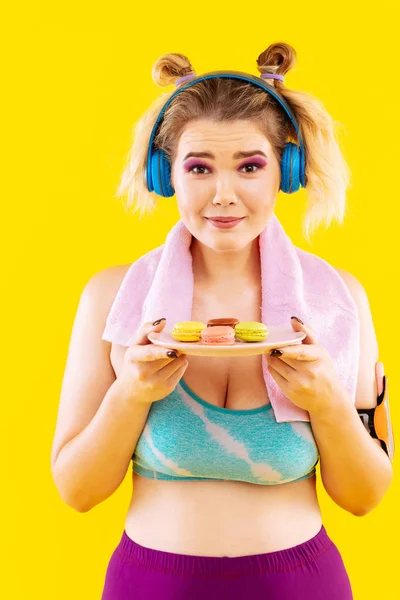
column 302, row 168
column 290, row 168
column 160, row 174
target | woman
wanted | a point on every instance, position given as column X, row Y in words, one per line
column 228, row 535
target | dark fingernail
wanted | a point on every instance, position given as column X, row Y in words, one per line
column 172, row 354
column 299, row 320
column 276, row 352
column 159, row 321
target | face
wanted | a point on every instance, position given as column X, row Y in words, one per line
column 225, row 183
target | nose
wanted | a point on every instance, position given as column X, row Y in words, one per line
column 224, row 195
column 224, row 201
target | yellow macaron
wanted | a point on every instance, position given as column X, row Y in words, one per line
column 188, row 331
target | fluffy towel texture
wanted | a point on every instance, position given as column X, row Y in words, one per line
column 294, row 282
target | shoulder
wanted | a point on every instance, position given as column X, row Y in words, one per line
column 352, row 282
column 105, row 283
column 361, row 300
column 101, row 289
column 355, row 288
column 369, row 353
column 320, row 278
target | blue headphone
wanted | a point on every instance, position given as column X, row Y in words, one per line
column 158, row 168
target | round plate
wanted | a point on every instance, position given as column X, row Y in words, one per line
column 277, row 337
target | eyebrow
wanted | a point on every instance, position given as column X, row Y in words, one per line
column 236, row 155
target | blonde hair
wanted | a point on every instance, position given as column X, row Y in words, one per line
column 225, row 99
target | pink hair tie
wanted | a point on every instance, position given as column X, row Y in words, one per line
column 272, row 76
column 181, row 79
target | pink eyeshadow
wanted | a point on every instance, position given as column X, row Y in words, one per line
column 192, row 163
column 257, row 161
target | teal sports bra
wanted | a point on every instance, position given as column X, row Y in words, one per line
column 187, row 438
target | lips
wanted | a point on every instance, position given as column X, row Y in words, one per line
column 225, row 222
column 225, row 219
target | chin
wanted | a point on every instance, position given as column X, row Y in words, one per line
column 226, row 243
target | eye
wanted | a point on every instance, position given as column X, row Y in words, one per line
column 191, row 169
column 196, row 167
column 251, row 165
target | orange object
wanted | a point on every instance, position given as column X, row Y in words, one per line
column 377, row 420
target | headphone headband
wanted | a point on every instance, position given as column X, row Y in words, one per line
column 232, row 75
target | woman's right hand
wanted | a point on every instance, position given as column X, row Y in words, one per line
column 148, row 372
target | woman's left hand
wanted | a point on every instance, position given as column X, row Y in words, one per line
column 305, row 373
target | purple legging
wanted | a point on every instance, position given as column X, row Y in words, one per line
column 312, row 570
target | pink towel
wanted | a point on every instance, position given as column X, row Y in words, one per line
column 294, row 282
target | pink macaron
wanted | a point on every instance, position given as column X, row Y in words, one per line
column 219, row 334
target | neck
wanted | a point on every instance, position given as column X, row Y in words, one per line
column 226, row 269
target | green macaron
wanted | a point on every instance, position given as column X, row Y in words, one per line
column 251, row 331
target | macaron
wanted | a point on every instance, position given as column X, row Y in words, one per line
column 188, row 331
column 222, row 322
column 218, row 334
column 251, row 331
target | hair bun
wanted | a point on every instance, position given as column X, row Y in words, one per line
column 278, row 58
column 170, row 67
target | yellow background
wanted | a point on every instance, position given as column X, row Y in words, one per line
column 77, row 77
